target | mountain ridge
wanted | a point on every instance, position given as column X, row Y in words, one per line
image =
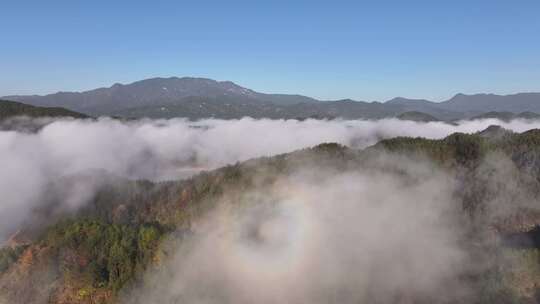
column 152, row 91
column 147, row 98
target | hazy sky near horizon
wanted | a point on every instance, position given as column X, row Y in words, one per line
column 365, row 50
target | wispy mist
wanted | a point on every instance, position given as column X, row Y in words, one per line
column 170, row 149
column 324, row 237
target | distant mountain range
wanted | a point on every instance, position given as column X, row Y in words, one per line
column 196, row 98
column 157, row 92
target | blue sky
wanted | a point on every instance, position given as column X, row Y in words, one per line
column 365, row 50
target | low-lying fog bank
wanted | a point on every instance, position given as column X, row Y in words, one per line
column 172, row 149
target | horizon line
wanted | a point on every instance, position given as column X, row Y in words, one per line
column 273, row 93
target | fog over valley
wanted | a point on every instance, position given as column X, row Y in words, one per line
column 265, row 152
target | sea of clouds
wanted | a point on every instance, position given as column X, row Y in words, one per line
column 172, row 149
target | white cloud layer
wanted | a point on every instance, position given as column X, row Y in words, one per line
column 173, row 149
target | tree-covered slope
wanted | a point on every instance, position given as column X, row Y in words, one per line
column 11, row 109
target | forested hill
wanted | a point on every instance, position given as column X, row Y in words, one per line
column 12, row 108
column 100, row 253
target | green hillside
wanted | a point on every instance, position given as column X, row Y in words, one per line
column 11, row 109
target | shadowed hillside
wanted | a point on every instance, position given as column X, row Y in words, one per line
column 417, row 116
column 11, row 109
